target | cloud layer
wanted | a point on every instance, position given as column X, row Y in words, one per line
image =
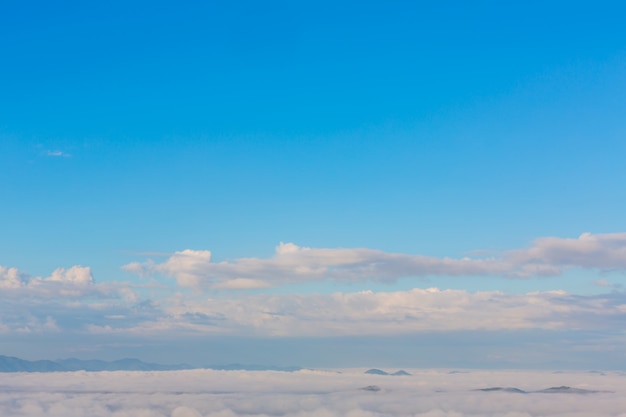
column 292, row 263
column 364, row 313
column 399, row 312
column 205, row 393
column 70, row 300
column 71, row 304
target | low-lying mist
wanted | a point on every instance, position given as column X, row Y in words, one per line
column 328, row 393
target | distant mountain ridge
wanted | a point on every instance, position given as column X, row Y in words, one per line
column 13, row 364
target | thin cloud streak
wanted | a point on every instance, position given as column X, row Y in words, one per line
column 58, row 154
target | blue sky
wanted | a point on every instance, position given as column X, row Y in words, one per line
column 160, row 152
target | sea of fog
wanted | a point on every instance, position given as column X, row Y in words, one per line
column 328, row 393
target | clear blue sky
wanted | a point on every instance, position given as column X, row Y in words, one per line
column 421, row 132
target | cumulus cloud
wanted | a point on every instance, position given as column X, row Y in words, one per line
column 35, row 304
column 76, row 275
column 11, row 278
column 292, row 263
column 75, row 281
column 207, row 393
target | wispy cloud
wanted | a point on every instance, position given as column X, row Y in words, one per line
column 291, row 263
column 607, row 284
column 57, row 154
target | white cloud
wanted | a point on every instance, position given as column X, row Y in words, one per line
column 35, row 304
column 76, row 275
column 10, row 278
column 74, row 282
column 292, row 263
column 601, row 251
column 206, row 393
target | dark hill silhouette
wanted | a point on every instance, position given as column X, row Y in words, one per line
column 503, row 389
column 376, row 372
column 401, row 372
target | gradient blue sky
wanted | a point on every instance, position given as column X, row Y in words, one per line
column 421, row 132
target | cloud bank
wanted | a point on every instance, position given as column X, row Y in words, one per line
column 291, row 263
column 205, row 393
column 70, row 303
column 70, row 300
column 399, row 312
